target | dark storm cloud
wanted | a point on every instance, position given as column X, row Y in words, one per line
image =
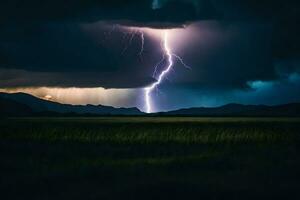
column 227, row 55
column 11, row 78
column 46, row 37
column 18, row 11
column 59, row 50
column 142, row 10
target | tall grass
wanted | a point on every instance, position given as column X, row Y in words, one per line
column 149, row 158
column 152, row 131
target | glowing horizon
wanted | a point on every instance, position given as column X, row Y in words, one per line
column 81, row 96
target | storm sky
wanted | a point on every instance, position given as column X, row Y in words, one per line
column 89, row 51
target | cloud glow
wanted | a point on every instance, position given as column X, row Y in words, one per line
column 82, row 96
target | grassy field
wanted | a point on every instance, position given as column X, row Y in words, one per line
column 150, row 158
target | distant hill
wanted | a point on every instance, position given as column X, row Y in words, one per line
column 21, row 104
column 292, row 110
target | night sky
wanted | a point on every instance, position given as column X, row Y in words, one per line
column 106, row 51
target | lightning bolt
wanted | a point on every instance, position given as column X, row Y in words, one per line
column 165, row 64
column 170, row 56
column 161, row 76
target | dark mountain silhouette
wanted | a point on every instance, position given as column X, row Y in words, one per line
column 20, row 104
column 12, row 108
column 292, row 109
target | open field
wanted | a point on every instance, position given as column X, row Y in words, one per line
column 150, row 158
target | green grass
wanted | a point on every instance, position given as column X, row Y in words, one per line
column 150, row 158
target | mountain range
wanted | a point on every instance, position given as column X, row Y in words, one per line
column 289, row 110
column 21, row 104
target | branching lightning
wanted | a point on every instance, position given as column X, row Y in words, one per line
column 170, row 56
column 133, row 33
column 181, row 61
column 142, row 43
column 158, row 65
